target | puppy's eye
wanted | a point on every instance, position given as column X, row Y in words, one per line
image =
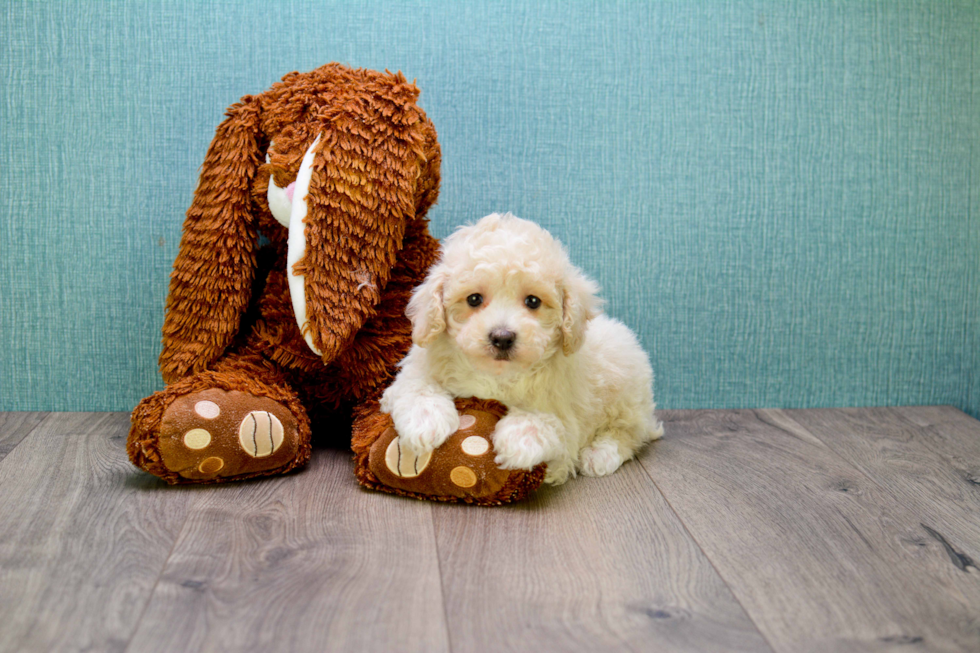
column 532, row 302
column 474, row 300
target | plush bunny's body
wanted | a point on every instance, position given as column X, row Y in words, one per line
column 336, row 168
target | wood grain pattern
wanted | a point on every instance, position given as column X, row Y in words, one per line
column 84, row 536
column 928, row 461
column 822, row 558
column 817, row 530
column 594, row 565
column 306, row 562
column 14, row 427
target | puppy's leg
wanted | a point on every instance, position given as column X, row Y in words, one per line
column 524, row 439
column 619, row 440
column 559, row 470
column 602, row 457
column 424, row 414
column 424, row 417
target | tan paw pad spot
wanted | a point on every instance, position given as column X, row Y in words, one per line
column 475, row 445
column 211, row 465
column 207, row 409
column 466, row 422
column 404, row 463
column 197, row 439
column 260, row 433
column 463, row 477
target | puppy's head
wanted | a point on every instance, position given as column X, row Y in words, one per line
column 505, row 294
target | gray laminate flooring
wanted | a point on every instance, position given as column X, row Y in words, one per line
column 754, row 530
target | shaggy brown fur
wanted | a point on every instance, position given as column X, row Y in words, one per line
column 376, row 173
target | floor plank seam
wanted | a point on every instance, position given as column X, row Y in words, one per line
column 41, row 422
column 829, row 448
column 870, row 479
column 442, row 585
column 156, row 583
column 960, row 560
column 711, row 562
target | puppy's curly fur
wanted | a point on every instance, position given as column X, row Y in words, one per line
column 504, row 315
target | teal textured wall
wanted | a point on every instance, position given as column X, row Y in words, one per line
column 780, row 197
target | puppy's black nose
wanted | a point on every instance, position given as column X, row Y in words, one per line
column 502, row 339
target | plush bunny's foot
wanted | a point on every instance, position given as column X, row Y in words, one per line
column 461, row 469
column 216, row 435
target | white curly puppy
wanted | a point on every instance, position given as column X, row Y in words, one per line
column 505, row 315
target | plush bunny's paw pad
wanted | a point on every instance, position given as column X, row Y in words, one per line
column 462, row 468
column 216, row 433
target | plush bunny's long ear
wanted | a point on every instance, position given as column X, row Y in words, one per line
column 371, row 176
column 211, row 283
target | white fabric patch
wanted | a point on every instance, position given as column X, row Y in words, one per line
column 475, row 445
column 403, row 463
column 197, row 439
column 260, row 433
column 296, row 247
column 207, row 409
column 279, row 203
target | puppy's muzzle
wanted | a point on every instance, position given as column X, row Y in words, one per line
column 503, row 341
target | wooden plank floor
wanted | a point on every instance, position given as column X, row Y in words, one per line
column 764, row 530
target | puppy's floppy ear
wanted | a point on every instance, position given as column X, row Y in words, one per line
column 426, row 309
column 579, row 305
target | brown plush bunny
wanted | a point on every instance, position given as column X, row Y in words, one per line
column 336, row 168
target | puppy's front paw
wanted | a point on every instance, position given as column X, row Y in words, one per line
column 425, row 422
column 523, row 441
